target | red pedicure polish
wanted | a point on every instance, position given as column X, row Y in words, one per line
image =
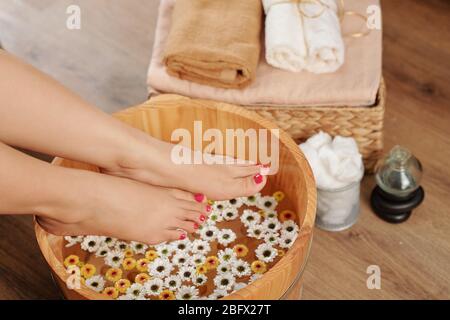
column 258, row 178
column 208, row 208
column 199, row 197
column 266, row 165
column 182, row 236
column 196, row 226
column 202, row 218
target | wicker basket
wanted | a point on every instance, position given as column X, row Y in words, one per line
column 365, row 124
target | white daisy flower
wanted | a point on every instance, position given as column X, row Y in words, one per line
column 199, row 280
column 121, row 245
column 154, row 286
column 289, row 226
column 200, row 247
column 224, row 281
column 251, row 200
column 172, row 282
column 182, row 245
column 109, row 241
column 186, row 273
column 223, row 268
column 240, row 268
column 96, row 283
column 181, row 258
column 90, row 243
column 250, row 217
column 187, row 293
column 215, row 217
column 235, row 203
column 255, row 231
column 198, row 259
column 218, row 294
column 271, row 225
column 126, row 297
column 164, row 250
column 208, row 233
column 239, row 285
column 160, row 268
column 114, row 258
column 287, row 239
column 220, row 205
column 102, row 251
column 136, row 291
column 255, row 277
column 226, row 236
column 267, row 203
column 265, row 252
column 271, row 238
column 227, row 255
column 230, row 213
column 270, row 214
column 138, row 248
column 73, row 240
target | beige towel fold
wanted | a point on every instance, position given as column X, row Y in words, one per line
column 216, row 43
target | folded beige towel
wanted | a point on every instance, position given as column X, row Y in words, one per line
column 356, row 83
column 216, row 43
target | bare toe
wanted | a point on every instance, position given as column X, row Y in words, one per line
column 171, row 235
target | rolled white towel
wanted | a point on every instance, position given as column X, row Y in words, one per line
column 326, row 50
column 285, row 40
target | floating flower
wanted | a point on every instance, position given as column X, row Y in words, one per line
column 227, row 255
column 71, row 260
column 121, row 245
column 113, row 274
column 287, row 215
column 281, row 252
column 215, row 217
column 287, row 240
column 271, row 214
column 88, row 270
column 102, row 251
column 266, row 203
column 230, row 214
column 201, row 269
column 271, row 225
column 141, row 278
column 235, row 203
column 212, row 262
column 289, row 226
column 217, row 294
column 240, row 250
column 223, row 268
column 187, row 293
column 151, row 255
column 181, row 258
column 199, row 280
column 167, row 294
column 251, row 200
column 255, row 231
column 182, row 245
column 164, row 250
column 111, row 292
column 91, row 243
column 240, row 268
column 122, row 285
column 138, row 248
column 220, row 205
column 142, row 265
column 265, row 252
column 126, row 297
column 208, row 233
column 250, row 217
column 114, row 258
column 96, row 283
column 198, row 259
column 128, row 264
column 258, row 267
column 200, row 247
column 173, row 282
column 226, row 236
column 110, row 242
column 160, row 268
column 128, row 253
column 224, row 281
column 72, row 240
column 136, row 291
column 279, row 196
column 255, row 277
column 154, row 286
column 186, row 273
column 271, row 238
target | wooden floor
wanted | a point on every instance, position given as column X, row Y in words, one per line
column 106, row 62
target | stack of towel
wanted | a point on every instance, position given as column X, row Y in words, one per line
column 209, row 50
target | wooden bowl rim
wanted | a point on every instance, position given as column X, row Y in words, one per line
column 306, row 229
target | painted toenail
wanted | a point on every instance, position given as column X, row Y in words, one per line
column 199, row 197
column 202, row 218
column 182, row 236
column 258, row 178
column 196, row 226
column 208, row 208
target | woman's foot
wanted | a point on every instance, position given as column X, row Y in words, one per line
column 151, row 162
column 125, row 209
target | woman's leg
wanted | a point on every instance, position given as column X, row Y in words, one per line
column 38, row 113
